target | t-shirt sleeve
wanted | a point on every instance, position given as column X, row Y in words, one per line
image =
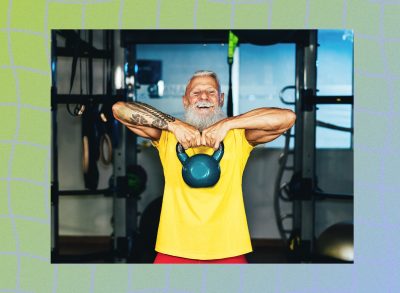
column 247, row 147
column 244, row 147
column 161, row 144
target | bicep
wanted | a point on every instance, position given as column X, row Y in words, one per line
column 256, row 136
column 280, row 121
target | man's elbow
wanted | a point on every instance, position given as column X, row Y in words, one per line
column 290, row 117
column 117, row 109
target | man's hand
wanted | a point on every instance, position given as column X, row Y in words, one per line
column 187, row 135
column 213, row 135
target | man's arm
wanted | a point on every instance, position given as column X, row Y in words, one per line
column 148, row 122
column 262, row 125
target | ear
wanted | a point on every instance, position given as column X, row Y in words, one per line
column 185, row 102
column 221, row 100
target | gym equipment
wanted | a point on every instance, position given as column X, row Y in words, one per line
column 146, row 236
column 137, row 179
column 105, row 143
column 303, row 190
column 200, row 170
column 109, row 122
column 77, row 45
column 90, row 145
column 105, row 130
column 233, row 41
column 336, row 242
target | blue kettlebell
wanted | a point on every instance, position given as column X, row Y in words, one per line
column 200, row 170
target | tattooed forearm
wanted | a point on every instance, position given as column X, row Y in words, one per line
column 158, row 123
column 156, row 112
column 144, row 115
column 137, row 119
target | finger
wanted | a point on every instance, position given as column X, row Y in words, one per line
column 193, row 140
column 198, row 138
column 216, row 144
column 209, row 142
column 192, row 143
column 203, row 139
column 184, row 143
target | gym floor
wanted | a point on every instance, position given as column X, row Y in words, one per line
column 94, row 250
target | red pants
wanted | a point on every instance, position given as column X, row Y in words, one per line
column 162, row 258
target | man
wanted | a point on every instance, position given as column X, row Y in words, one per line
column 205, row 225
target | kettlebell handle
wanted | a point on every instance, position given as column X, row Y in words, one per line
column 217, row 155
column 180, row 152
column 182, row 155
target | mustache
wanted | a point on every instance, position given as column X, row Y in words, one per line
column 201, row 122
column 203, row 104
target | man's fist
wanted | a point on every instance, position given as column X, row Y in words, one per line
column 187, row 135
column 213, row 135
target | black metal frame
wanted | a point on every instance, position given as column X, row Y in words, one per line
column 258, row 37
column 86, row 50
column 305, row 150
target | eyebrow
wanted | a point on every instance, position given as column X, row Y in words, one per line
column 208, row 88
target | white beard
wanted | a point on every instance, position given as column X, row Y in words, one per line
column 200, row 121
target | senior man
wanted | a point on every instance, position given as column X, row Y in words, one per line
column 204, row 225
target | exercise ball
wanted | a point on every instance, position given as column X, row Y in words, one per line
column 337, row 242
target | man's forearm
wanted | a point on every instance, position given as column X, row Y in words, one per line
column 141, row 114
column 267, row 119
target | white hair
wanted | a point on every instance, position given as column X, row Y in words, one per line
column 209, row 73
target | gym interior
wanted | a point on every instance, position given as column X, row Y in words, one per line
column 107, row 183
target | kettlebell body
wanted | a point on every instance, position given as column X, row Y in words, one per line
column 200, row 170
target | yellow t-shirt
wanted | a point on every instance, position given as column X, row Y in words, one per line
column 204, row 223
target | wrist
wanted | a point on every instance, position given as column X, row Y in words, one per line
column 229, row 123
column 171, row 126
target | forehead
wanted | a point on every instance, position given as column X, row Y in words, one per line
column 202, row 81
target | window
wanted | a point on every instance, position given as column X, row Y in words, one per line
column 334, row 77
column 263, row 72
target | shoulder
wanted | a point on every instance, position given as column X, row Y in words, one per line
column 238, row 136
column 165, row 139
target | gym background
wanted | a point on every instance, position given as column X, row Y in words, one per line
column 107, row 183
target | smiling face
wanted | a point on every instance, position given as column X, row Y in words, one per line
column 202, row 93
column 203, row 102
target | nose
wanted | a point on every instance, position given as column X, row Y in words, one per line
column 203, row 95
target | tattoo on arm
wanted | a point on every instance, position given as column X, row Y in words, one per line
column 155, row 112
column 146, row 115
